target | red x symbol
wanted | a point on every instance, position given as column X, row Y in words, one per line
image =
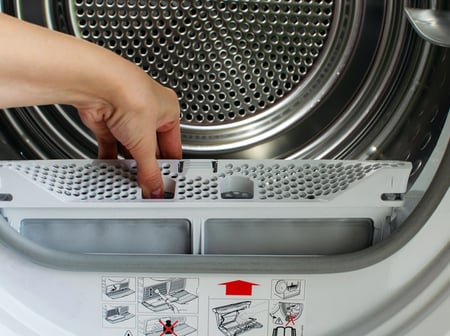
column 168, row 329
column 291, row 320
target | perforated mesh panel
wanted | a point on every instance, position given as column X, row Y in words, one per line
column 306, row 181
column 198, row 188
column 85, row 182
column 278, row 181
column 227, row 60
column 270, row 181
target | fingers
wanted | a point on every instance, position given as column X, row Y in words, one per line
column 142, row 150
column 169, row 142
column 168, row 146
column 107, row 143
column 125, row 152
column 165, row 144
column 150, row 180
column 149, row 174
column 169, row 137
column 107, row 146
column 145, row 133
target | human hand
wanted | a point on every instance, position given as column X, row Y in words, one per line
column 145, row 124
column 117, row 100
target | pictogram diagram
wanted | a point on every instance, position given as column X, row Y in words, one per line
column 153, row 305
column 284, row 331
column 286, row 313
column 119, row 315
column 286, row 289
column 121, row 289
column 239, row 317
column 169, row 295
column 169, row 325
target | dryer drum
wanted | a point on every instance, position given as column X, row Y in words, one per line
column 329, row 79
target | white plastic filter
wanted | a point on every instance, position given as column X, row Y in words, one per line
column 267, row 180
column 83, row 180
column 205, row 201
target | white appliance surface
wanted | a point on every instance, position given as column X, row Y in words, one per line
column 407, row 293
column 37, row 300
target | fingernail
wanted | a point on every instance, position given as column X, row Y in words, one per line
column 157, row 194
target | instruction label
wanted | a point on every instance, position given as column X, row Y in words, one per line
column 214, row 306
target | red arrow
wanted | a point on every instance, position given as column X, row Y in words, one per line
column 238, row 287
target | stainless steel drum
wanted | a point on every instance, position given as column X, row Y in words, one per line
column 259, row 79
